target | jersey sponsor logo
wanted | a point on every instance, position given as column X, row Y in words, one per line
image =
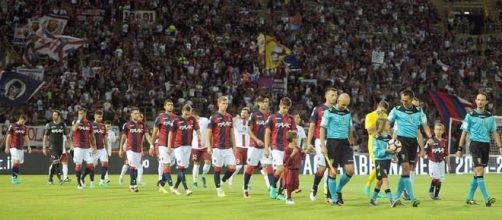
column 225, row 124
column 136, row 130
column 283, row 125
column 437, row 150
column 99, row 131
column 84, row 128
column 57, row 130
column 185, row 127
column 19, row 132
column 261, row 123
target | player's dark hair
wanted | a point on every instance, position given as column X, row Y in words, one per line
column 57, row 111
column 261, row 98
column 98, row 112
column 246, row 109
column 22, row 116
column 168, row 101
column 333, row 89
column 285, row 101
column 291, row 136
column 485, row 94
column 186, row 108
column 408, row 93
column 108, row 122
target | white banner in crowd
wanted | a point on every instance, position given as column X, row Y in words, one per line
column 34, row 73
column 21, row 33
column 90, row 15
column 139, row 16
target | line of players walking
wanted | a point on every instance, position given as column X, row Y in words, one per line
column 272, row 143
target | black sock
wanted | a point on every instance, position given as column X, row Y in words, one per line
column 227, row 175
column 438, row 187
column 271, row 179
column 86, row 171
column 178, row 181
column 133, row 174
column 431, row 188
column 317, row 180
column 104, row 170
column 91, row 175
column 281, row 187
column 78, row 173
column 247, row 178
column 217, row 179
column 52, row 171
column 182, row 178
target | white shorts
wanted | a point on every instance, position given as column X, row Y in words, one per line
column 164, row 157
column 182, row 155
column 82, row 154
column 133, row 158
column 437, row 170
column 277, row 158
column 319, row 157
column 17, row 154
column 221, row 157
column 255, row 155
column 100, row 155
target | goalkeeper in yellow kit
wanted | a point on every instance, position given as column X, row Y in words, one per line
column 370, row 126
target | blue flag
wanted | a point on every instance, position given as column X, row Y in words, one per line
column 16, row 89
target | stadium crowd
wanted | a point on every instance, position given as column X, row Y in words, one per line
column 197, row 51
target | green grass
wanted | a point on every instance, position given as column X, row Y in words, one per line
column 34, row 199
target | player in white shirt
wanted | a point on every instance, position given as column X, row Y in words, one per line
column 112, row 137
column 242, row 138
column 301, row 131
column 199, row 150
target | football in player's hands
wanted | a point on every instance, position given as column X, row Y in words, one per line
column 394, row 146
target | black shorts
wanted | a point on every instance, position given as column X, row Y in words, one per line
column 55, row 154
column 480, row 152
column 339, row 152
column 382, row 168
column 408, row 152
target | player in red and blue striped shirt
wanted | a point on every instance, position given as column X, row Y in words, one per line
column 134, row 132
column 17, row 137
column 84, row 146
column 221, row 142
column 278, row 126
column 313, row 138
column 257, row 126
column 182, row 133
column 100, row 134
column 163, row 123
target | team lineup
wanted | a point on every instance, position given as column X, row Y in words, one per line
column 273, row 143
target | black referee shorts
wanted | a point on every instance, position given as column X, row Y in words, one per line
column 480, row 152
column 408, row 152
column 339, row 152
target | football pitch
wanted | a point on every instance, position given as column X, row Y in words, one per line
column 34, row 199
